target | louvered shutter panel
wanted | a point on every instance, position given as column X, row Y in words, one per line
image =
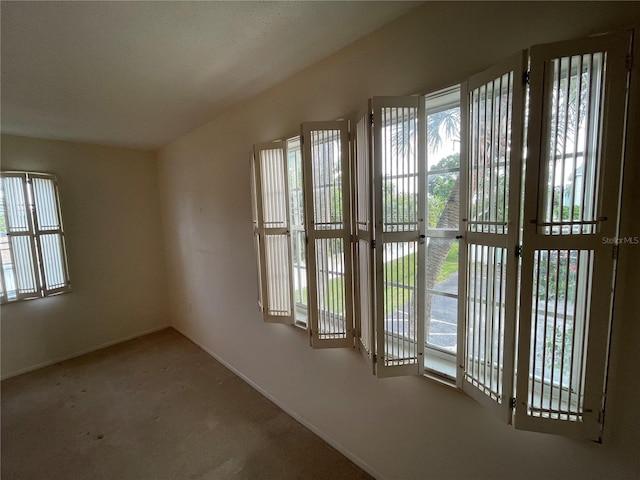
column 398, row 192
column 256, row 230
column 492, row 107
column 273, row 233
column 576, row 145
column 325, row 157
column 50, row 234
column 364, row 234
column 19, row 259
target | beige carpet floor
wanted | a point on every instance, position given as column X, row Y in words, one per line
column 157, row 407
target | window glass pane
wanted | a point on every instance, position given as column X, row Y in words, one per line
column 442, row 326
column 365, row 279
column 486, row 298
column 273, row 188
column 24, row 264
column 400, row 329
column 572, row 166
column 277, row 275
column 298, row 247
column 443, row 139
column 363, row 188
column 299, row 267
column 442, row 265
column 560, row 309
column 44, row 197
column 443, row 213
column 443, row 200
column 16, row 219
column 490, row 152
column 331, row 288
column 399, row 169
column 326, row 174
column 54, row 268
column 8, row 269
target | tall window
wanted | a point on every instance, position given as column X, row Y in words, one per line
column 34, row 261
column 442, row 244
column 298, row 237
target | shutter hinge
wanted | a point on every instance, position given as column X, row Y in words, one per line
column 526, row 77
column 518, row 250
column 306, row 239
column 629, row 62
column 512, row 403
column 301, row 139
column 373, row 244
column 375, row 358
column 371, row 118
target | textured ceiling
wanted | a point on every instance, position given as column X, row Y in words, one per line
column 140, row 74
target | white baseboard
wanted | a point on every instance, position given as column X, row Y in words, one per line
column 80, row 353
column 355, row 459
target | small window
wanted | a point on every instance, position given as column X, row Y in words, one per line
column 34, row 260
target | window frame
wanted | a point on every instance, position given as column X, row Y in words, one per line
column 436, row 102
column 33, row 231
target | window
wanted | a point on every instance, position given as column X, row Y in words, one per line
column 34, row 261
column 298, row 237
column 442, row 153
column 476, row 252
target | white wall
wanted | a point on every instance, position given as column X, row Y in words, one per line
column 111, row 214
column 400, row 428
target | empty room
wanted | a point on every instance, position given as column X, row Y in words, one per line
column 317, row 239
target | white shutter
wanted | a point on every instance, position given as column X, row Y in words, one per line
column 325, row 157
column 575, row 142
column 19, row 260
column 273, row 234
column 50, row 234
column 256, row 229
column 365, row 311
column 492, row 109
column 398, row 191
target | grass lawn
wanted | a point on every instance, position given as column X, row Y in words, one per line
column 400, row 274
